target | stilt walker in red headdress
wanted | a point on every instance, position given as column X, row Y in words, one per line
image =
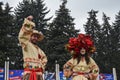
column 81, row 66
column 34, row 58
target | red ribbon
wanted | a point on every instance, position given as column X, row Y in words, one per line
column 33, row 72
column 78, row 73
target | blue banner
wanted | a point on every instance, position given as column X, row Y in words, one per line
column 13, row 74
column 17, row 75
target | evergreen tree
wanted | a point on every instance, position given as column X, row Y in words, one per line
column 1, row 32
column 40, row 12
column 93, row 28
column 115, row 34
column 105, row 43
column 60, row 30
column 7, row 40
column 37, row 9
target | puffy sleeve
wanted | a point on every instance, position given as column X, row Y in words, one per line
column 68, row 64
column 94, row 70
column 25, row 32
column 67, row 68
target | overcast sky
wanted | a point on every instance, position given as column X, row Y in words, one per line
column 79, row 9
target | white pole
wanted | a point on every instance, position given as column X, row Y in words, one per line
column 6, row 70
column 57, row 71
column 114, row 74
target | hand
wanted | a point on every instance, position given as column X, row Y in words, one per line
column 87, row 76
column 67, row 73
column 30, row 18
column 40, row 73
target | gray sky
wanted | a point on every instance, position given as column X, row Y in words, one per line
column 79, row 9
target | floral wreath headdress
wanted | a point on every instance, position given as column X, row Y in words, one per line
column 81, row 41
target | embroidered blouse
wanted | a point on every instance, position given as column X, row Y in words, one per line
column 33, row 56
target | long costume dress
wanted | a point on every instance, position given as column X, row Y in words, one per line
column 80, row 69
column 34, row 58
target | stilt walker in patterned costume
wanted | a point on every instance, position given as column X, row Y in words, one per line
column 34, row 58
column 81, row 66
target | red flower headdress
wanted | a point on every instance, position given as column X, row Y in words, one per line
column 82, row 41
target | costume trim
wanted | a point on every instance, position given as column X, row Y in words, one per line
column 33, row 72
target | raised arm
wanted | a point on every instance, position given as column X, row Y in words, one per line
column 26, row 31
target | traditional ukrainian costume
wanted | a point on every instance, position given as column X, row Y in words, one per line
column 79, row 71
column 34, row 58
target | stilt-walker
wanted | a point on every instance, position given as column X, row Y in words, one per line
column 81, row 66
column 34, row 58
